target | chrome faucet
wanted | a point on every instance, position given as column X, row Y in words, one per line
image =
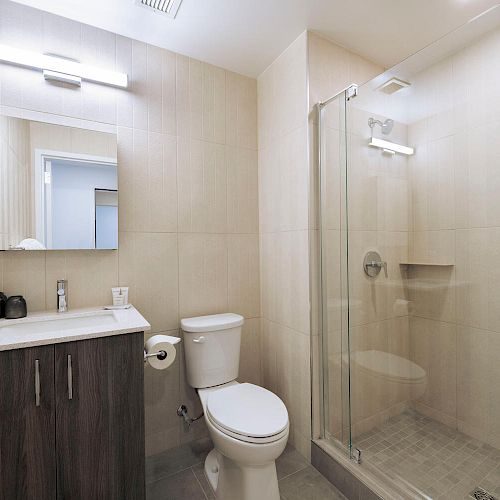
column 62, row 296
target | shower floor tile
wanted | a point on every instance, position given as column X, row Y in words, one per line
column 440, row 462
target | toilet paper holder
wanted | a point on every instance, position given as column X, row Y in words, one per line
column 160, row 351
column 159, row 355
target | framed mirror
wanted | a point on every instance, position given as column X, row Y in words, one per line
column 58, row 187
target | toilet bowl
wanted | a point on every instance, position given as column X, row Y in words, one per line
column 248, row 424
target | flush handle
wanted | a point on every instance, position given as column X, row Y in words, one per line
column 200, row 340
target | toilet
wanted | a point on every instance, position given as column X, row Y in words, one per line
column 248, row 424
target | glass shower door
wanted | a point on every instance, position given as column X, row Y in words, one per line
column 334, row 276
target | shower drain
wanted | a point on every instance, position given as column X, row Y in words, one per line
column 480, row 494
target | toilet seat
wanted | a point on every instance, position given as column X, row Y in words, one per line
column 248, row 413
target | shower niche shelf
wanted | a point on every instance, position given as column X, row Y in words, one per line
column 434, row 264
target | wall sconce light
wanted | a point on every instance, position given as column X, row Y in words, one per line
column 390, row 146
column 56, row 68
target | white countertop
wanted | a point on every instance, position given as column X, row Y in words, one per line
column 56, row 327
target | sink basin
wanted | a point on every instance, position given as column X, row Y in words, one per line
column 57, row 323
column 43, row 328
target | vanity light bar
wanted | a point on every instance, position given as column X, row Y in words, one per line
column 71, row 69
column 391, row 146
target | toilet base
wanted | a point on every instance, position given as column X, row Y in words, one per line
column 231, row 481
column 212, row 469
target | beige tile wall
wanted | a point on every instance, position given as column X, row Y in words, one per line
column 284, row 252
column 310, row 68
column 455, row 327
column 187, row 155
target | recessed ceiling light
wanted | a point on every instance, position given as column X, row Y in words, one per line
column 168, row 7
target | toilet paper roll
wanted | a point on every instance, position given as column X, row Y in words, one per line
column 159, row 343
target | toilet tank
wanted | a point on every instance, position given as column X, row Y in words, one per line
column 212, row 348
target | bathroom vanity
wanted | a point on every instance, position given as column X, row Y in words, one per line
column 72, row 406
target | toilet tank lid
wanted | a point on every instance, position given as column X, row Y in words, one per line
column 212, row 323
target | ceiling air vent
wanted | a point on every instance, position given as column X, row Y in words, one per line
column 167, row 7
column 393, row 85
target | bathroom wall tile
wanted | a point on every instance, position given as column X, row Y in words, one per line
column 293, row 180
column 270, row 344
column 148, row 264
column 476, row 178
column 202, row 177
column 250, row 358
column 90, row 275
column 214, row 104
column 432, row 292
column 241, row 111
column 203, row 274
column 169, row 95
column 124, row 98
column 242, row 191
column 162, row 165
column 294, row 385
column 292, row 296
column 478, row 289
column 161, row 399
column 191, row 400
column 169, row 118
column 148, row 181
column 24, row 274
column 154, row 74
column 138, row 85
column 478, row 372
column 434, row 247
column 434, row 348
column 433, row 179
column 269, row 189
column 243, row 281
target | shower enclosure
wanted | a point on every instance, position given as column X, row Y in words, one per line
column 409, row 200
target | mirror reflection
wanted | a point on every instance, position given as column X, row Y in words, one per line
column 58, row 187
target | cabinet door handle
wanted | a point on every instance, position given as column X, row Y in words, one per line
column 37, row 382
column 70, row 378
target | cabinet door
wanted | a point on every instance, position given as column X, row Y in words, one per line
column 100, row 418
column 27, row 433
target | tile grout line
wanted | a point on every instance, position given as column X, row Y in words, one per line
column 162, row 478
column 199, row 483
column 292, row 473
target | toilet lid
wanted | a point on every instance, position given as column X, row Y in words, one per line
column 248, row 410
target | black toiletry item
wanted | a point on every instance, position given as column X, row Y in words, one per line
column 3, row 300
column 15, row 307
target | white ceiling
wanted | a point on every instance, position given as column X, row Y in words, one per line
column 247, row 35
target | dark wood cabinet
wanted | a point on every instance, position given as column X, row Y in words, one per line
column 94, row 425
column 27, row 424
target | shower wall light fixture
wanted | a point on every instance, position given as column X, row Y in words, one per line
column 388, row 146
column 56, row 68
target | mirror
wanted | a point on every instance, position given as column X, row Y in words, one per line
column 58, row 187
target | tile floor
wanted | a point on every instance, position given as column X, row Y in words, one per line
column 178, row 475
column 441, row 462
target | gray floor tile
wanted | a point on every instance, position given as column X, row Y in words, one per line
column 308, row 484
column 199, row 472
column 180, row 486
column 177, row 459
column 289, row 462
